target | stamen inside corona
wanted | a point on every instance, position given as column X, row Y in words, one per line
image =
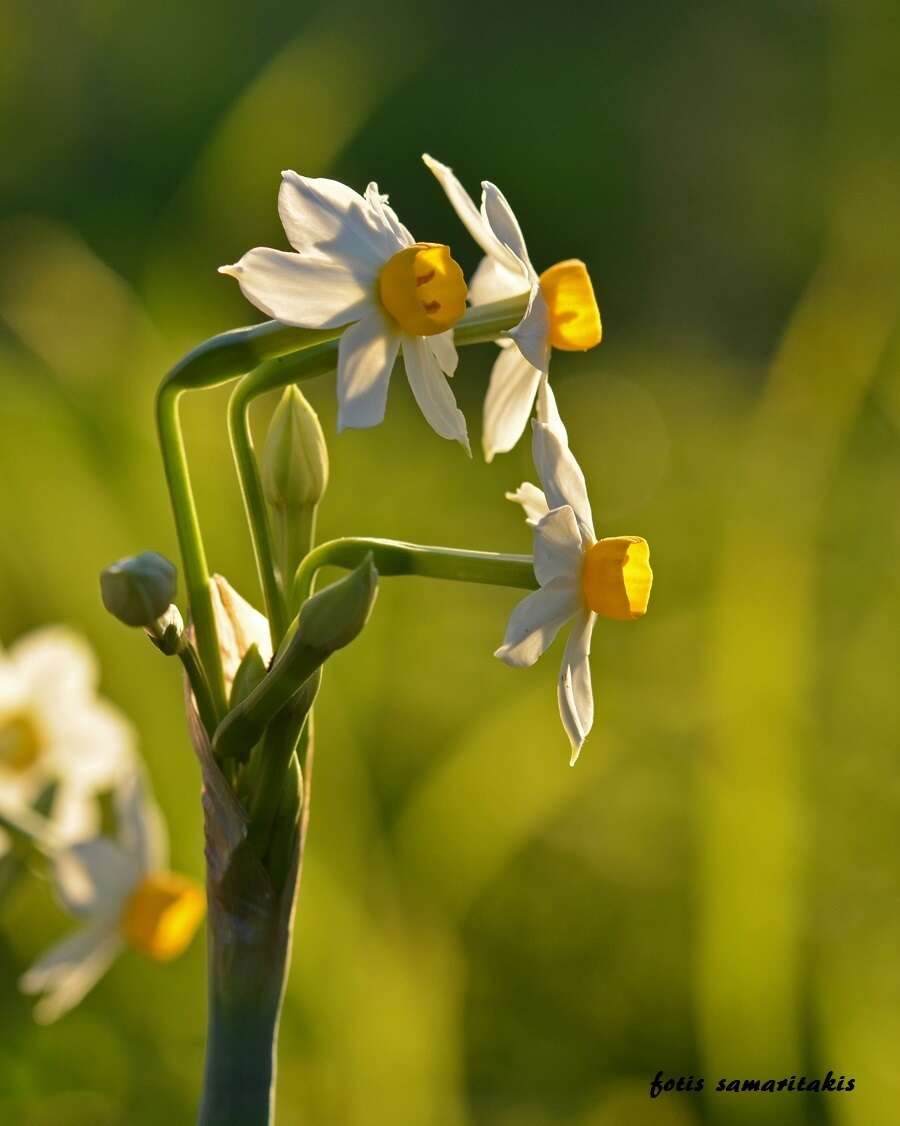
column 423, row 289
column 616, row 577
column 574, row 316
column 162, row 915
column 20, row 742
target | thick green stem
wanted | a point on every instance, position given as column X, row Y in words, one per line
column 391, row 557
column 238, row 1082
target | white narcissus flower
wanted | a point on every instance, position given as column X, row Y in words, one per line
column 125, row 895
column 54, row 728
column 562, row 310
column 579, row 575
column 356, row 264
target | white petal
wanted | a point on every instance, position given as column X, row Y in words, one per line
column 432, row 391
column 548, row 412
column 69, row 970
column 328, row 217
column 576, row 697
column 493, row 281
column 557, row 547
column 561, row 476
column 142, row 830
column 238, row 625
column 532, row 333
column 91, row 746
column 499, row 216
column 95, row 877
column 532, row 501
column 366, row 355
column 508, row 403
column 444, row 351
column 55, row 663
column 536, row 621
column 75, row 815
column 388, row 217
column 308, row 292
column 472, row 219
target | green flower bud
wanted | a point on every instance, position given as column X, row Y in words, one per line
column 294, row 462
column 139, row 590
column 332, row 618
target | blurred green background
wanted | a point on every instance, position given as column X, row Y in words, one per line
column 486, row 937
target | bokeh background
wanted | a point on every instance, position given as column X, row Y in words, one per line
column 486, row 937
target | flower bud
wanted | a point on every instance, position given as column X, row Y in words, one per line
column 294, row 462
column 139, row 590
column 332, row 618
column 167, row 632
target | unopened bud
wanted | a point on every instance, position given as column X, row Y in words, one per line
column 167, row 632
column 332, row 618
column 139, row 590
column 294, row 462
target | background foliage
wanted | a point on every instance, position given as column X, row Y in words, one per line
column 487, row 938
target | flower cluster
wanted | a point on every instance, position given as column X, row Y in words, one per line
column 61, row 748
column 357, row 270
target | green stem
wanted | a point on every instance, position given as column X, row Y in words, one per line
column 200, row 687
column 297, row 534
column 392, row 557
column 193, row 555
column 255, row 505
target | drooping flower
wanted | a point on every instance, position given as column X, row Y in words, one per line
column 126, row 896
column 54, row 728
column 580, row 577
column 357, row 265
column 562, row 310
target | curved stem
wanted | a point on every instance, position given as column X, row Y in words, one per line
column 392, row 557
column 193, row 555
column 255, row 505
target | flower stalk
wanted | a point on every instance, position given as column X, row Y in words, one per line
column 393, row 557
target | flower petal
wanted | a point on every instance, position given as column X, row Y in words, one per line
column 444, row 350
column 548, row 412
column 557, row 547
column 432, row 391
column 91, row 745
column 55, row 663
column 142, row 830
column 532, row 333
column 308, row 292
column 329, row 217
column 532, row 501
column 238, row 625
column 472, row 219
column 561, row 477
column 536, row 621
column 388, row 216
column 508, row 403
column 505, row 226
column 93, row 878
column 69, row 970
column 576, row 697
column 366, row 355
column 494, row 281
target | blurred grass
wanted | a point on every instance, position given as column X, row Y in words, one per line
column 486, row 938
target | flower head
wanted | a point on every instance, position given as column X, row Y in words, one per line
column 55, row 728
column 125, row 895
column 562, row 310
column 357, row 265
column 580, row 577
